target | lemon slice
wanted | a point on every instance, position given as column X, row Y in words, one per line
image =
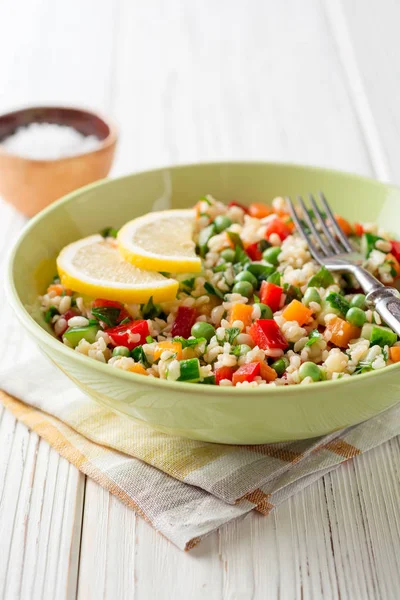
column 93, row 266
column 161, row 241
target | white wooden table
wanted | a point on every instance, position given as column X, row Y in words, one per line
column 312, row 81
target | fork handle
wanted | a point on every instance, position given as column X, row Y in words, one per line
column 386, row 301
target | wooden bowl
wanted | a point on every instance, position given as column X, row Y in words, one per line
column 31, row 184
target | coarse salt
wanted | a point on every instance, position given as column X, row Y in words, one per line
column 49, row 141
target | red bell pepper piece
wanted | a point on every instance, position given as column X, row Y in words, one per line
column 246, row 373
column 395, row 249
column 253, row 251
column 271, row 295
column 100, row 302
column 224, row 373
column 126, row 335
column 69, row 314
column 184, row 321
column 267, row 335
column 279, row 227
column 233, row 203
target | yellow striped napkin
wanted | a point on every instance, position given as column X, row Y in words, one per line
column 184, row 488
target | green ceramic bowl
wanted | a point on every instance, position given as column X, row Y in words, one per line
column 213, row 414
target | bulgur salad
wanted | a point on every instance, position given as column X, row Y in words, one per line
column 258, row 311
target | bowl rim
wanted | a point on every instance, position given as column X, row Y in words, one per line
column 107, row 142
column 44, row 336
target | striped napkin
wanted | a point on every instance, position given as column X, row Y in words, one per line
column 185, row 489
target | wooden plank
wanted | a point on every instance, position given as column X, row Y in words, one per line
column 40, row 507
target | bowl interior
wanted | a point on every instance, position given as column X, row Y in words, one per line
column 112, row 203
column 85, row 122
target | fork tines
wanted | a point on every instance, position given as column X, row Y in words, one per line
column 330, row 240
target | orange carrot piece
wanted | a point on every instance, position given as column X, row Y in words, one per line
column 259, row 211
column 139, row 369
column 358, row 229
column 344, row 225
column 175, row 347
column 57, row 288
column 342, row 332
column 394, row 353
column 241, row 312
column 267, row 372
column 296, row 311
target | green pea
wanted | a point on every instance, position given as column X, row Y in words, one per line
column 222, row 222
column 244, row 288
column 121, row 351
column 228, row 255
column 270, row 255
column 311, row 295
column 247, row 276
column 310, row 369
column 356, row 316
column 203, row 330
column 280, row 366
column 358, row 301
column 244, row 349
column 266, row 312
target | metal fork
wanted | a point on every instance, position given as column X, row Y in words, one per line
column 334, row 251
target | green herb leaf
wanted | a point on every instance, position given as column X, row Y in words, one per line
column 109, row 232
column 188, row 284
column 314, row 336
column 339, row 302
column 263, row 245
column 232, row 333
column 240, row 256
column 138, row 355
column 165, row 273
column 126, row 320
column 50, row 313
column 368, row 242
column 189, row 343
column 323, row 278
column 150, row 310
column 149, row 339
column 108, row 314
column 205, row 199
column 292, row 292
column 312, row 215
column 220, row 268
column 362, row 367
column 235, row 350
column 260, row 270
column 274, row 278
column 209, row 380
column 235, row 239
column 212, row 290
